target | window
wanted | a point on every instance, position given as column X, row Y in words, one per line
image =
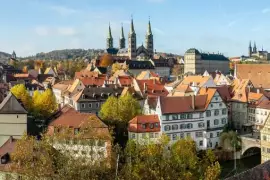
column 151, row 126
column 156, row 135
column 211, row 135
column 220, row 104
column 216, row 98
column 211, row 105
column 216, row 112
column 216, row 122
column 201, row 124
column 174, row 127
column 199, row 134
column 264, row 138
column 151, row 135
column 189, row 116
column 167, row 128
column 90, row 105
column 133, row 136
column 168, row 118
column 268, row 150
column 97, row 105
column 224, row 111
column 223, row 120
column 201, row 115
column 175, row 117
column 188, row 134
column 182, row 126
column 201, row 143
column 174, row 137
column 208, row 113
column 218, row 133
column 76, row 131
column 144, row 126
column 181, row 135
column 17, row 116
column 263, row 149
column 265, row 112
column 189, row 125
column 83, row 105
column 156, row 125
column 183, row 116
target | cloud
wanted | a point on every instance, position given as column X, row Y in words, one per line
column 49, row 31
column 232, row 23
column 64, row 11
column 158, row 31
column 66, row 31
column 266, row 10
column 42, row 31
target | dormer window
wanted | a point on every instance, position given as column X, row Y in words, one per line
column 151, row 126
column 144, row 126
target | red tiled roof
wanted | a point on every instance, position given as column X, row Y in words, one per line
column 183, row 104
column 265, row 104
column 90, row 81
column 125, row 80
column 152, row 87
column 135, row 125
column 224, row 93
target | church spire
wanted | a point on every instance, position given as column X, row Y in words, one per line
column 122, row 32
column 132, row 30
column 149, row 30
column 122, row 40
column 110, row 38
column 254, row 48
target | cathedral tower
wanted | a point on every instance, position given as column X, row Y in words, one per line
column 249, row 49
column 132, row 44
column 254, row 48
column 110, row 38
column 122, row 40
column 149, row 40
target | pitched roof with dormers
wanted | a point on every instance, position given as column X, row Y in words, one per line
column 152, row 87
column 151, row 124
column 198, row 80
column 259, row 74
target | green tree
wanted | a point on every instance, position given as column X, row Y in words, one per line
column 229, row 140
column 20, row 92
column 120, row 110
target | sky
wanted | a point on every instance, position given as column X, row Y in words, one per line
column 225, row 26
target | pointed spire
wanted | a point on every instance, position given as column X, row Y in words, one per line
column 132, row 26
column 149, row 30
column 249, row 43
column 110, row 32
column 122, row 33
column 254, row 44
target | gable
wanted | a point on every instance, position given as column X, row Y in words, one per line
column 11, row 105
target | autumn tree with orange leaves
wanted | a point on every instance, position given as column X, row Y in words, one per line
column 106, row 60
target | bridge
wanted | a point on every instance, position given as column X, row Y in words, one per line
column 250, row 145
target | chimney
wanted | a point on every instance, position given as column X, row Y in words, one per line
column 258, row 91
column 10, row 139
column 193, row 102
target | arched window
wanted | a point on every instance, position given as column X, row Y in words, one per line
column 167, row 128
column 174, row 127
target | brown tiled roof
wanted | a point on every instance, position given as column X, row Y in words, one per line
column 264, row 104
column 259, row 74
column 135, row 125
column 254, row 96
column 69, row 117
column 170, row 105
column 210, row 92
column 239, row 89
column 260, row 172
column 183, row 88
column 90, row 81
column 85, row 73
column 63, row 85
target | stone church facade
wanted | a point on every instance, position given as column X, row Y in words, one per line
column 143, row 52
